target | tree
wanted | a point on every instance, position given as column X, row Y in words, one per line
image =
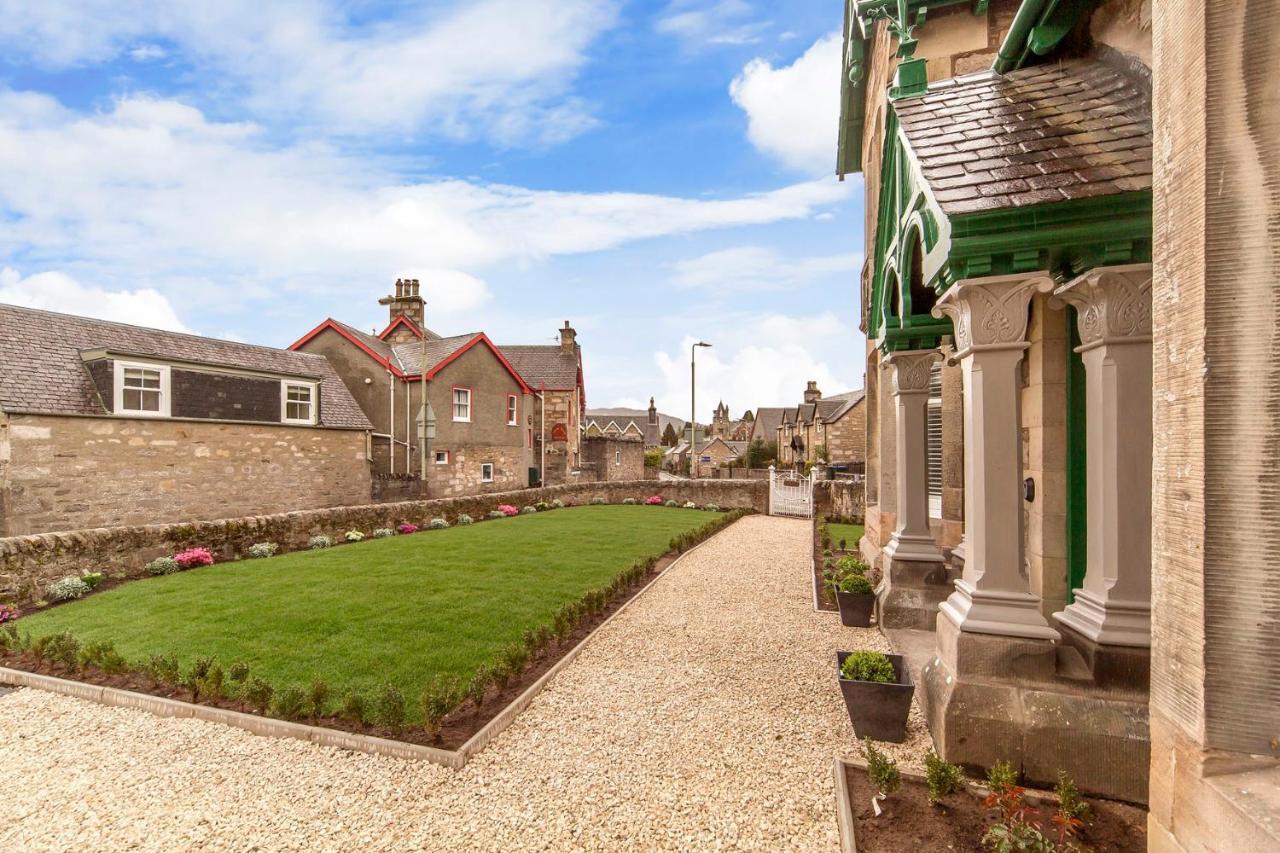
column 760, row 454
column 653, row 457
column 669, row 437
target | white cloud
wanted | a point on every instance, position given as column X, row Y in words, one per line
column 716, row 23
column 55, row 291
column 147, row 53
column 793, row 110
column 763, row 360
column 152, row 193
column 756, row 268
column 494, row 69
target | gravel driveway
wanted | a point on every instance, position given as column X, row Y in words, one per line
column 705, row 717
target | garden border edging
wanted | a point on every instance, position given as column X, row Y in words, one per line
column 319, row 735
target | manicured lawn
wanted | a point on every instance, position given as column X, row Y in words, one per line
column 399, row 609
column 850, row 533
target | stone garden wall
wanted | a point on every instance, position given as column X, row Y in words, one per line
column 28, row 564
column 842, row 498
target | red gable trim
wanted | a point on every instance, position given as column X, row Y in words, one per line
column 330, row 324
column 399, row 320
column 481, row 338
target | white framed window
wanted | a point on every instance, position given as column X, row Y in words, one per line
column 486, row 472
column 442, row 457
column 617, row 457
column 513, row 410
column 462, row 404
column 142, row 390
column 297, row 402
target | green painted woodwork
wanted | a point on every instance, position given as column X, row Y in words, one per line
column 1038, row 27
column 1077, row 455
column 910, row 79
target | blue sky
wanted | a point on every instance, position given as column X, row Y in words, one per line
column 654, row 172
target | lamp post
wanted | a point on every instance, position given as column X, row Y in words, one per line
column 693, row 407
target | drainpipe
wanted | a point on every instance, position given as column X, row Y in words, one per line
column 542, row 465
column 391, row 424
column 1014, row 45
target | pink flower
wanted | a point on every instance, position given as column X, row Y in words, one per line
column 193, row 557
column 407, row 528
column 8, row 613
column 655, row 500
column 508, row 510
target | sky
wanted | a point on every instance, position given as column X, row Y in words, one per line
column 654, row 172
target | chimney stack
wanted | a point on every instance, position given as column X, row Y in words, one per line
column 653, row 412
column 568, row 338
column 408, row 303
column 811, row 392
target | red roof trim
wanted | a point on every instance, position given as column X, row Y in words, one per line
column 400, row 318
column 481, row 338
column 337, row 327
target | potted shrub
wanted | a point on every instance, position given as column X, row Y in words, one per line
column 877, row 691
column 855, row 597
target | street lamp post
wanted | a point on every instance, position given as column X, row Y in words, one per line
column 693, row 407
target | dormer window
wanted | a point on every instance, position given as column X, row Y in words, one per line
column 298, row 400
column 142, row 389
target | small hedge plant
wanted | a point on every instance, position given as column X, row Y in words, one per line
column 439, row 524
column 383, row 533
column 163, row 566
column 317, row 543
column 942, row 778
column 465, row 519
column 597, row 501
column 557, row 504
column 69, row 588
column 671, row 504
column 262, row 550
column 881, row 768
column 529, row 510
column 629, row 501
column 854, row 583
column 690, row 505
column 497, row 513
column 865, row 665
column 353, row 536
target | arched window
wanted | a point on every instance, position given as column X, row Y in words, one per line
column 922, row 297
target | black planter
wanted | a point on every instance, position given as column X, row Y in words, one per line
column 878, row 711
column 855, row 608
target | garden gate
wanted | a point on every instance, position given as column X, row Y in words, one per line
column 790, row 494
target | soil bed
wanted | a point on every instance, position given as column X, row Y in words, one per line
column 908, row 821
column 457, row 727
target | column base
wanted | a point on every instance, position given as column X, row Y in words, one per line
column 1009, row 614
column 989, row 698
column 1110, row 667
column 1109, row 622
column 911, row 592
column 918, row 549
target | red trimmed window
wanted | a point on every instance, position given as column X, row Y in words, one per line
column 462, row 404
column 513, row 407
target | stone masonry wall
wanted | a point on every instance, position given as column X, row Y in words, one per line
column 28, row 564
column 842, row 498
column 67, row 473
column 846, row 439
column 461, row 476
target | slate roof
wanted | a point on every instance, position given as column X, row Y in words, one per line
column 41, row 371
column 408, row 355
column 373, row 342
column 544, row 365
column 847, row 401
column 767, row 422
column 1075, row 129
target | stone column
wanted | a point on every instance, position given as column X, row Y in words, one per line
column 909, row 375
column 1114, row 313
column 990, row 318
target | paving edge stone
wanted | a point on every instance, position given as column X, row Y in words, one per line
column 269, row 727
column 844, row 809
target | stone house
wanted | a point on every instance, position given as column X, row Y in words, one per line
column 823, row 429
column 764, row 425
column 655, row 428
column 106, row 424
column 484, row 413
column 554, row 372
column 1094, row 570
column 718, row 452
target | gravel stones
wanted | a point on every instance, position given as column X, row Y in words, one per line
column 705, row 716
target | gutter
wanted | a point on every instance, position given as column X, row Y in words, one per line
column 1014, row 46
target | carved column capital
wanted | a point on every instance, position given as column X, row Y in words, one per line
column 1113, row 304
column 991, row 312
column 911, row 369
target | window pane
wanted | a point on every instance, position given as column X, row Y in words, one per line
column 132, row 400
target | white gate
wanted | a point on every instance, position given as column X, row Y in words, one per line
column 790, row 494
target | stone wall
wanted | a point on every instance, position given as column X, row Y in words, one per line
column 613, row 459
column 66, row 473
column 462, row 474
column 391, row 488
column 846, row 439
column 28, row 564
column 842, row 498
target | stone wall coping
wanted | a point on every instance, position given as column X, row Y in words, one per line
column 319, row 735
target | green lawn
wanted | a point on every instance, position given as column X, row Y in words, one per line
column 399, row 609
column 851, row 533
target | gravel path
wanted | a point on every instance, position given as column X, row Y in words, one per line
column 705, row 717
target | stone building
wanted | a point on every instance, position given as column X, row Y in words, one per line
column 718, row 452
column 486, row 416
column 823, row 429
column 610, row 459
column 657, row 429
column 554, row 372
column 107, row 424
column 1104, row 389
column 722, row 426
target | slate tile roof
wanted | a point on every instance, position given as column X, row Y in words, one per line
column 41, row 371
column 541, row 365
column 1074, row 129
column 408, row 355
column 847, row 401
